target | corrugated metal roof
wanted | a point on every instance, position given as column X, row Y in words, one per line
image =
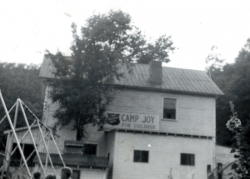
column 75, row 160
column 174, row 79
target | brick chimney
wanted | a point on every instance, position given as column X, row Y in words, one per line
column 155, row 72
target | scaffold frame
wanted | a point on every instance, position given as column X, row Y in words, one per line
column 43, row 131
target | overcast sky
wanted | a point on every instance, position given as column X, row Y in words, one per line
column 28, row 27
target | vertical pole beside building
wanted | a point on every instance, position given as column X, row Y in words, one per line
column 214, row 138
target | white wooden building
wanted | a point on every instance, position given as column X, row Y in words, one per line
column 163, row 124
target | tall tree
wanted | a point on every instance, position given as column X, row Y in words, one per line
column 83, row 84
column 234, row 80
column 19, row 81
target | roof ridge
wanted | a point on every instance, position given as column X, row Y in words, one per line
column 170, row 67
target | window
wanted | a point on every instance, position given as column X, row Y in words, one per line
column 74, row 147
column 208, row 169
column 76, row 174
column 219, row 167
column 141, row 156
column 169, row 108
column 89, row 149
column 187, row 159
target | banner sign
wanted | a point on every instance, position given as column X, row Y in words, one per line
column 133, row 121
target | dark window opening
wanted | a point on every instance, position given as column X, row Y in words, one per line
column 219, row 167
column 141, row 156
column 208, row 168
column 108, row 156
column 73, row 149
column 169, row 108
column 76, row 174
column 89, row 149
column 16, row 158
column 187, row 159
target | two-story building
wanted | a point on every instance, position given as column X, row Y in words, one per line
column 162, row 124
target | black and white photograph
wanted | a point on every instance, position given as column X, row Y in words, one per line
column 125, row 89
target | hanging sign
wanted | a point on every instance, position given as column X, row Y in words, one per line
column 133, row 121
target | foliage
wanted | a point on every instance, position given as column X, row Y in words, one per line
column 19, row 81
column 234, row 81
column 242, row 167
column 83, row 83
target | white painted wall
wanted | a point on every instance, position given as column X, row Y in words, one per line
column 195, row 114
column 164, row 154
column 66, row 133
column 224, row 157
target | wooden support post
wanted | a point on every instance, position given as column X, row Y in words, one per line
column 32, row 138
column 13, row 130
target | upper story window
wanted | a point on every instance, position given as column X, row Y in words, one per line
column 73, row 147
column 169, row 108
column 90, row 149
column 141, row 156
column 187, row 159
column 78, row 147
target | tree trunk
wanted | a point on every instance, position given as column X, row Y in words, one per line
column 79, row 133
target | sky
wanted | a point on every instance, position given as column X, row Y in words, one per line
column 28, row 27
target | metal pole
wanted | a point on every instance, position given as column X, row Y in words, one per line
column 32, row 138
column 23, row 146
column 9, row 112
column 58, row 150
column 30, row 155
column 11, row 140
column 23, row 138
column 2, row 154
column 46, row 147
column 34, row 115
column 13, row 130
